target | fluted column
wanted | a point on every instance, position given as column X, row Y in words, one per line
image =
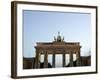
column 53, row 60
column 46, row 60
column 71, row 59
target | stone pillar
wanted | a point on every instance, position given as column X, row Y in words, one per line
column 64, row 59
column 71, row 59
column 37, row 62
column 46, row 60
column 78, row 62
column 53, row 60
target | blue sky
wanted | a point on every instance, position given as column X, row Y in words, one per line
column 42, row 26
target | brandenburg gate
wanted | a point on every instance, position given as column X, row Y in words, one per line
column 58, row 46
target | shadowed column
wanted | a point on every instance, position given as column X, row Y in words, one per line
column 37, row 62
column 53, row 60
column 78, row 58
column 46, row 60
column 64, row 58
column 71, row 59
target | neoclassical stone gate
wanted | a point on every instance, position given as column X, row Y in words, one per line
column 58, row 46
